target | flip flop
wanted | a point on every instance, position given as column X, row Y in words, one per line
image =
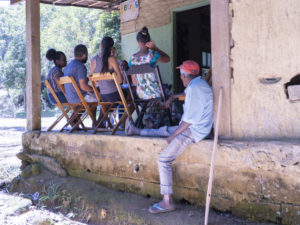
column 157, row 209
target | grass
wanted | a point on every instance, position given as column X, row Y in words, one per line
column 51, row 195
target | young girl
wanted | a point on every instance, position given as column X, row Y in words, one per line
column 149, row 53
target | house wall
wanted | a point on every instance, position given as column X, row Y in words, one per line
column 266, row 45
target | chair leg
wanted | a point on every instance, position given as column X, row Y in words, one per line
column 139, row 120
column 56, row 122
column 80, row 119
column 73, row 117
column 104, row 117
column 64, row 114
column 123, row 118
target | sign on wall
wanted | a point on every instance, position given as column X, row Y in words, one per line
column 129, row 10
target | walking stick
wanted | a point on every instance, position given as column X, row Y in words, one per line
column 212, row 161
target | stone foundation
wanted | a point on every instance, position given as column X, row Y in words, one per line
column 256, row 180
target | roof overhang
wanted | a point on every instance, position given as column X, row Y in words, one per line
column 97, row 4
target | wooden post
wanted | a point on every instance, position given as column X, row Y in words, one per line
column 221, row 72
column 33, row 65
column 212, row 160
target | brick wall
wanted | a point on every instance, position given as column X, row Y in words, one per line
column 153, row 13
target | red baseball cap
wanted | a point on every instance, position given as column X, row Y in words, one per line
column 190, row 67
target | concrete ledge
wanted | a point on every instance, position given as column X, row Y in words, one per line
column 257, row 180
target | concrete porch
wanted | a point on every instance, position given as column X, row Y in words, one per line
column 256, row 180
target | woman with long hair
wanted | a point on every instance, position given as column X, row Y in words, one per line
column 106, row 61
column 60, row 61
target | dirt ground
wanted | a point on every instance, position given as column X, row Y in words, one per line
column 61, row 199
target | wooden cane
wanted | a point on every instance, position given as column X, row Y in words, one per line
column 212, row 161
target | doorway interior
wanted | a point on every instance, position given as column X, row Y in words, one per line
column 192, row 41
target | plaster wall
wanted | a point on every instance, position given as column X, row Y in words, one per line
column 257, row 180
column 154, row 13
column 266, row 45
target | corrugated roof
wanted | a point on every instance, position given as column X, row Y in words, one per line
column 97, row 4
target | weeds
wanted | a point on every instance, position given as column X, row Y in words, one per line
column 51, row 196
column 56, row 199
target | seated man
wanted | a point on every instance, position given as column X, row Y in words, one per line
column 78, row 71
column 195, row 125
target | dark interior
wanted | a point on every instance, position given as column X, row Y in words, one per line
column 192, row 40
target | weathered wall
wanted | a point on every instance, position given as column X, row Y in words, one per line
column 154, row 13
column 256, row 180
column 266, row 45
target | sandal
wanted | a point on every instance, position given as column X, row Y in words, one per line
column 157, row 209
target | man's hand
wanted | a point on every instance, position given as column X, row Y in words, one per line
column 182, row 127
column 169, row 102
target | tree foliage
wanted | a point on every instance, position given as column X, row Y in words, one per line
column 62, row 28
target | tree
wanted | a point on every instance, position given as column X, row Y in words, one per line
column 62, row 28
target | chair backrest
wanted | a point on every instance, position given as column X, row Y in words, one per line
column 96, row 77
column 48, row 85
column 58, row 102
column 71, row 80
column 144, row 69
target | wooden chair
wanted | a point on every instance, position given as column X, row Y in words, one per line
column 81, row 110
column 64, row 107
column 142, row 69
column 108, row 108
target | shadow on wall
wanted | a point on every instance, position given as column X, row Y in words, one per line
column 292, row 88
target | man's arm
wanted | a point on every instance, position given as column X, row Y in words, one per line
column 171, row 99
column 93, row 66
column 182, row 127
column 84, row 85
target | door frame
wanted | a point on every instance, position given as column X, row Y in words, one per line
column 220, row 57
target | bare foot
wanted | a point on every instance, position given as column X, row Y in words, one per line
column 132, row 130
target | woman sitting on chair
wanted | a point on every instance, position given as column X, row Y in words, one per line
column 106, row 62
column 147, row 85
column 60, row 61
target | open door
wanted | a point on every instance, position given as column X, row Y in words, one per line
column 192, row 40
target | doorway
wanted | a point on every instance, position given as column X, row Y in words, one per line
column 192, row 41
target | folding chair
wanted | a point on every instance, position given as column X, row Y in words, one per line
column 60, row 105
column 110, row 107
column 144, row 102
column 81, row 110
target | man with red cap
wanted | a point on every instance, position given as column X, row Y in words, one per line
column 195, row 125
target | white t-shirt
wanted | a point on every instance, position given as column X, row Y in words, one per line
column 198, row 108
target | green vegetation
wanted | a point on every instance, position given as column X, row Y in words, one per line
column 62, row 28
